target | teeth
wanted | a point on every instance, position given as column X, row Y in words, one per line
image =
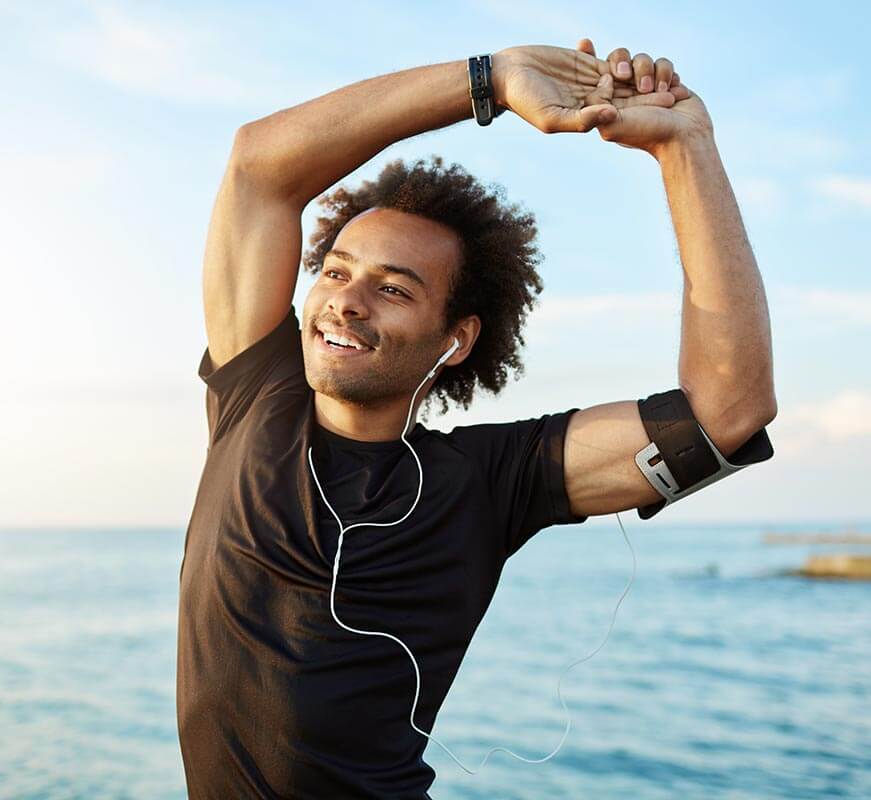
column 331, row 337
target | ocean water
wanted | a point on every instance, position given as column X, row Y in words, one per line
column 722, row 677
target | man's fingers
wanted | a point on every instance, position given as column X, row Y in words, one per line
column 586, row 45
column 642, row 68
column 664, row 70
column 630, row 73
column 621, row 67
column 661, row 99
column 576, row 120
column 603, row 93
column 591, row 116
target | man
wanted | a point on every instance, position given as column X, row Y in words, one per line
column 275, row 699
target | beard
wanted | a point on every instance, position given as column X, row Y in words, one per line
column 380, row 380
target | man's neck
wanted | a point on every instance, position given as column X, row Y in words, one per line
column 381, row 424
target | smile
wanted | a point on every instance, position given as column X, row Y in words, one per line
column 338, row 349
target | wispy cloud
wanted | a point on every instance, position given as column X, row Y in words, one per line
column 846, row 188
column 839, row 308
column 155, row 53
column 844, row 415
column 779, row 147
column 787, row 93
column 822, row 425
column 567, row 309
column 833, row 307
column 759, row 196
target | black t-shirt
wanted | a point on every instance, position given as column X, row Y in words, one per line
column 274, row 698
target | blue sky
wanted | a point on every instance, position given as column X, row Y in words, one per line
column 115, row 133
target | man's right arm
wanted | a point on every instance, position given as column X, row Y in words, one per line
column 280, row 163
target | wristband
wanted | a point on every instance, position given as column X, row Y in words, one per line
column 481, row 90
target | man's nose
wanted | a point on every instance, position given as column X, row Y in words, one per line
column 349, row 300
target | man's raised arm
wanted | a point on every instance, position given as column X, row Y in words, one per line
column 725, row 367
column 278, row 164
column 281, row 162
column 303, row 150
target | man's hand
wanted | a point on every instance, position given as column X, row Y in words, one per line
column 649, row 127
column 559, row 90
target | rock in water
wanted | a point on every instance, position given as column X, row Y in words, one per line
column 838, row 566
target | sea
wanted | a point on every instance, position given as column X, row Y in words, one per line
column 720, row 673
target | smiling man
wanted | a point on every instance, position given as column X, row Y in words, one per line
column 368, row 292
column 421, row 271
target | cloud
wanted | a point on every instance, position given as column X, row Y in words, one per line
column 832, row 307
column 184, row 60
column 822, row 426
column 30, row 175
column 760, row 196
column 778, row 147
column 843, row 416
column 569, row 309
column 566, row 324
column 848, row 189
column 786, row 93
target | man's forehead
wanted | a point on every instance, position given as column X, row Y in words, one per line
column 386, row 237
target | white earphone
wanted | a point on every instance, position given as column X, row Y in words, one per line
column 444, row 357
column 342, row 530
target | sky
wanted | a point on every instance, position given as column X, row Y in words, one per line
column 117, row 122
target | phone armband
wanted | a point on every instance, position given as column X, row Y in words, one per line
column 681, row 458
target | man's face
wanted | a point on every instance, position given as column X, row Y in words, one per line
column 399, row 318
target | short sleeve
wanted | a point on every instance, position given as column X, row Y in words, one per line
column 272, row 364
column 522, row 463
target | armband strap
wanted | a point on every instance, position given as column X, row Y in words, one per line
column 680, row 458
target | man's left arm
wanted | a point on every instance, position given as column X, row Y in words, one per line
column 725, row 367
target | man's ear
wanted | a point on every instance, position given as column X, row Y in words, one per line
column 467, row 334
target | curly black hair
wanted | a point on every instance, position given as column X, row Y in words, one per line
column 497, row 279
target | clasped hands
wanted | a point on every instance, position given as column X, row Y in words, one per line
column 559, row 90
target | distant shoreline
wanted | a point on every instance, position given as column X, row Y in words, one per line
column 817, row 538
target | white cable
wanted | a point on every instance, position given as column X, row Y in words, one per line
column 342, row 531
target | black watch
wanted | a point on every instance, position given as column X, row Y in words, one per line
column 481, row 90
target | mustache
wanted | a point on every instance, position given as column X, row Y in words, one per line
column 365, row 336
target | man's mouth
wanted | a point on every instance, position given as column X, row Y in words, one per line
column 340, row 345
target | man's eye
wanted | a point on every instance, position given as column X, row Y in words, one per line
column 398, row 291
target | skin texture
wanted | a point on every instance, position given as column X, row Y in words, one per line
column 367, row 398
column 648, row 126
column 559, row 90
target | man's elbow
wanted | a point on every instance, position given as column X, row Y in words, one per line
column 256, row 165
column 767, row 411
column 772, row 410
column 741, row 433
column 730, row 425
column 246, row 149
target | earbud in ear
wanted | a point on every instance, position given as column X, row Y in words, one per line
column 445, row 356
column 450, row 350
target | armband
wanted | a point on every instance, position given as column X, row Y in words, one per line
column 680, row 458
